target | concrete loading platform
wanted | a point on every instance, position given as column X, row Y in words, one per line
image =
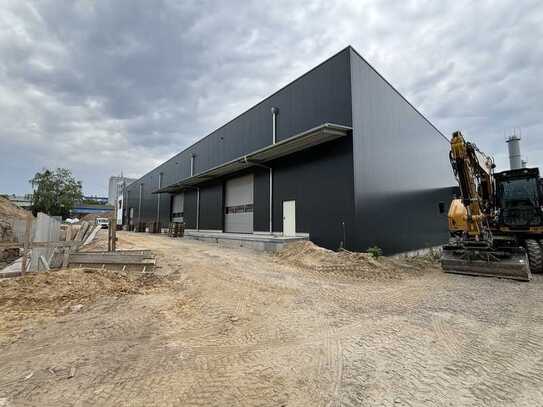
column 262, row 242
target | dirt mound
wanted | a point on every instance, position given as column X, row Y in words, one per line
column 308, row 256
column 10, row 211
column 73, row 286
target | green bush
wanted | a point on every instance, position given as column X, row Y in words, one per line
column 375, row 252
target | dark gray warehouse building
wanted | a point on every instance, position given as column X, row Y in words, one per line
column 338, row 154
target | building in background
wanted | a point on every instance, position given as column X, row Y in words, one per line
column 338, row 155
column 115, row 187
column 119, row 206
column 22, row 201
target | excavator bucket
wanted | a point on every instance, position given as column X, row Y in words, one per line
column 473, row 261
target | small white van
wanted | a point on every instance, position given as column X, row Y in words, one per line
column 103, row 222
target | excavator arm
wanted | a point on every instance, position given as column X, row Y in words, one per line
column 472, row 248
column 473, row 171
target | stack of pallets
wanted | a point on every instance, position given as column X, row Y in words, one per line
column 176, row 229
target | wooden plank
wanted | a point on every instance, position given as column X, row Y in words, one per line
column 69, row 233
column 92, row 235
column 11, row 245
column 66, row 257
column 85, row 258
column 44, row 262
column 60, row 243
column 27, row 242
column 88, row 232
column 113, row 234
column 13, row 270
column 145, row 253
column 109, row 236
column 82, row 230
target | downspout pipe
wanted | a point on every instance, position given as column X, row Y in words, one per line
column 139, row 205
column 197, row 208
column 275, row 112
column 160, row 175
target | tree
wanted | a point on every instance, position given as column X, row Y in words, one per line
column 55, row 192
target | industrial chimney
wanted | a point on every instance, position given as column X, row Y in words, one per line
column 515, row 160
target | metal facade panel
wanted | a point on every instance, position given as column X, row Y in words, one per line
column 211, row 206
column 190, row 211
column 321, row 95
column 401, row 167
column 261, row 205
column 320, row 180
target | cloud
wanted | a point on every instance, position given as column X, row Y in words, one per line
column 101, row 86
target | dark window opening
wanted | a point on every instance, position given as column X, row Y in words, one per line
column 239, row 209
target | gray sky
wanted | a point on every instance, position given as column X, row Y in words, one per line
column 104, row 86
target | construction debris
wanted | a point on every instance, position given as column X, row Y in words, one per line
column 308, row 256
column 57, row 245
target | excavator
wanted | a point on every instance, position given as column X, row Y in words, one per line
column 496, row 225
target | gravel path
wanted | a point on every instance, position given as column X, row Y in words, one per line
column 230, row 327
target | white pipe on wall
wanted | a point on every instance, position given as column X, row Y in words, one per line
column 139, row 204
column 274, row 111
column 271, row 200
column 197, row 208
column 158, row 200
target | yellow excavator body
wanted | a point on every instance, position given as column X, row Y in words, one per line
column 457, row 216
column 477, row 245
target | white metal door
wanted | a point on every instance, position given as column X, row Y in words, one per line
column 289, row 218
column 238, row 202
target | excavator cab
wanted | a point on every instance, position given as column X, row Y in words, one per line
column 519, row 199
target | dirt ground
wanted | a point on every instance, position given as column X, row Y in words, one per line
column 230, row 327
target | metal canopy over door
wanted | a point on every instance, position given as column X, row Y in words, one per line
column 178, row 204
column 289, row 218
column 238, row 205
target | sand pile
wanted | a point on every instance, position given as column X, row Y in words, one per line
column 308, row 256
column 57, row 289
column 10, row 211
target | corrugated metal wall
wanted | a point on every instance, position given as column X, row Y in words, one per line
column 401, row 167
column 320, row 180
column 321, row 95
column 384, row 184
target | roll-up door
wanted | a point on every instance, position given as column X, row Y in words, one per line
column 238, row 211
column 177, row 207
